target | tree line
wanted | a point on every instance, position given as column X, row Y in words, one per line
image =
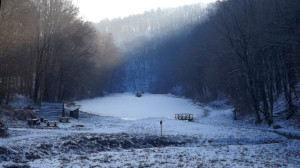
column 48, row 53
column 130, row 31
column 249, row 50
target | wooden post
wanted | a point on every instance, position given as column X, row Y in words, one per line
column 160, row 127
column 63, row 110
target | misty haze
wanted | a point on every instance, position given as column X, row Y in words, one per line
column 143, row 83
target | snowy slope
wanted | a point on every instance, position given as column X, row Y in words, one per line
column 122, row 130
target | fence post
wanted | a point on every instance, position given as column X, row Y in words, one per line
column 160, row 127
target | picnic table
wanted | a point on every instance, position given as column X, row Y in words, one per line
column 184, row 116
column 64, row 119
column 52, row 123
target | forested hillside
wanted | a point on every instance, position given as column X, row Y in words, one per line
column 247, row 51
column 148, row 44
column 48, row 53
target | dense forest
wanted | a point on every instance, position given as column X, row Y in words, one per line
column 245, row 50
column 48, row 53
column 248, row 50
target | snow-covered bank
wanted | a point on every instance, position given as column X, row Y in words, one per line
column 108, row 138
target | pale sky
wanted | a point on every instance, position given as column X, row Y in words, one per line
column 96, row 10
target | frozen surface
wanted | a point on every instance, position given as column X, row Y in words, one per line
column 128, row 106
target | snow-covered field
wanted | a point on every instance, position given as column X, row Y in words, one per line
column 122, row 130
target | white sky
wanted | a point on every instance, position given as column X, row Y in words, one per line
column 96, row 10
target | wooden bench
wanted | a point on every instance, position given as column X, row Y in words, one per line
column 52, row 123
column 64, row 119
column 184, row 116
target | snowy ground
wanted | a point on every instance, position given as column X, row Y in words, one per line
column 122, row 130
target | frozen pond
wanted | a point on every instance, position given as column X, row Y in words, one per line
column 128, row 106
